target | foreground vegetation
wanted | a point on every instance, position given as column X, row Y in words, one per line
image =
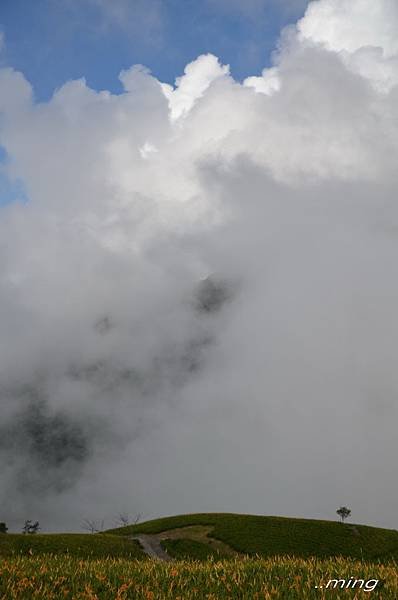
column 219, row 556
column 74, row 544
column 275, row 536
column 55, row 577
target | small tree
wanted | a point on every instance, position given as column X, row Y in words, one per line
column 93, row 525
column 25, row 528
column 30, row 527
column 3, row 528
column 35, row 527
column 124, row 519
column 343, row 513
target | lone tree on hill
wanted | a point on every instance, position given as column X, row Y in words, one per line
column 3, row 528
column 93, row 525
column 343, row 513
column 30, row 527
column 124, row 519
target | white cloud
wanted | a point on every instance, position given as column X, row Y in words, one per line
column 168, row 397
column 363, row 31
column 342, row 25
column 197, row 78
column 147, row 149
column 268, row 83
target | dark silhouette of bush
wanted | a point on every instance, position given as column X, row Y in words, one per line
column 343, row 513
column 30, row 527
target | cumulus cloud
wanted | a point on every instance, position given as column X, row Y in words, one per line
column 198, row 300
column 268, row 83
column 340, row 25
column 364, row 33
column 198, row 76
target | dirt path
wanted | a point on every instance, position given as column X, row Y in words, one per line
column 151, row 544
column 152, row 547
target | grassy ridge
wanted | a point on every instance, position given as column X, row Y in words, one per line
column 271, row 536
column 75, row 544
column 53, row 578
column 246, row 534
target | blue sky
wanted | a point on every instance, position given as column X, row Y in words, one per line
column 52, row 41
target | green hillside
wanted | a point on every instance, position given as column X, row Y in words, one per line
column 267, row 536
column 74, row 544
column 202, row 536
column 188, row 549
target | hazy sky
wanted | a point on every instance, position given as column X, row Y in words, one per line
column 198, row 283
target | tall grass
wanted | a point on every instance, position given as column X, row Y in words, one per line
column 55, row 577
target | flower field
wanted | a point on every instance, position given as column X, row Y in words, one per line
column 54, row 577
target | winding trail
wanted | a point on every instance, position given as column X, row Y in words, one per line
column 152, row 547
column 151, row 544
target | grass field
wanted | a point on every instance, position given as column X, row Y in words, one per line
column 53, row 578
column 75, row 544
column 218, row 556
column 276, row 536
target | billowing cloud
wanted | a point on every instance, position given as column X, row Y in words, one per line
column 198, row 301
column 341, row 25
column 363, row 33
column 197, row 78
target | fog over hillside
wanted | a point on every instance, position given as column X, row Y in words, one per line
column 199, row 297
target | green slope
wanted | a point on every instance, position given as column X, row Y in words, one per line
column 271, row 536
column 186, row 549
column 75, row 544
